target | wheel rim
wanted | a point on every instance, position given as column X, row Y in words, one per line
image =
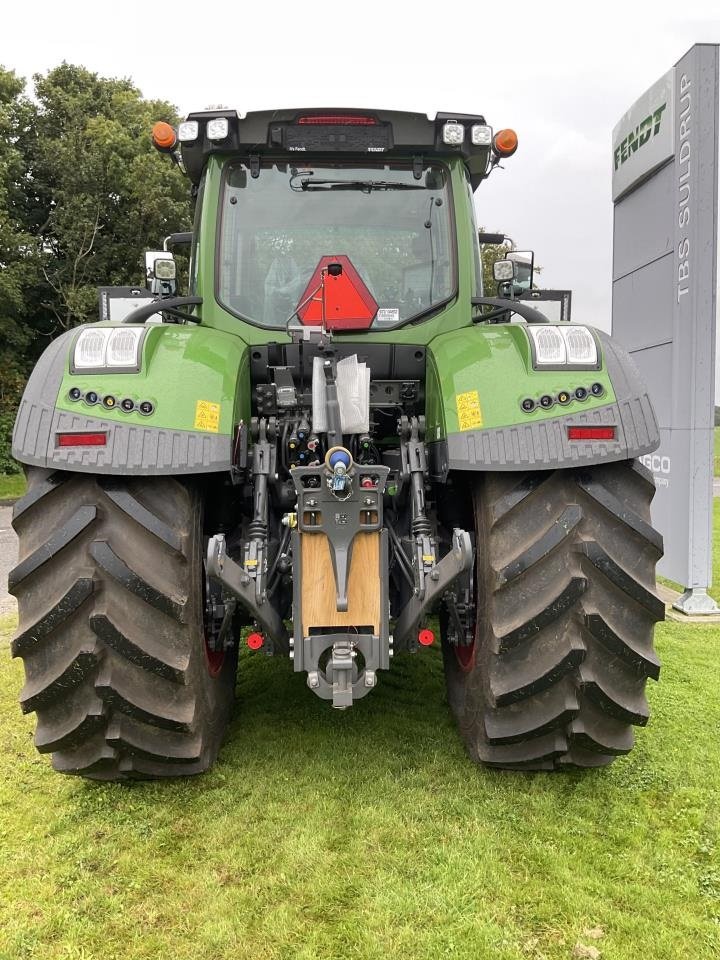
column 465, row 656
column 214, row 659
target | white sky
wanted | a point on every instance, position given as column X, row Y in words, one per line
column 560, row 73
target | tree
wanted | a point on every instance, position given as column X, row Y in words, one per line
column 83, row 193
column 108, row 195
column 18, row 254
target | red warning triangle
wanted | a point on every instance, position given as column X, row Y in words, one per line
column 349, row 305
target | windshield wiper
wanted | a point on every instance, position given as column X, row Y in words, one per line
column 366, row 186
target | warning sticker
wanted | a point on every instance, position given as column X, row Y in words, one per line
column 207, row 416
column 387, row 315
column 468, row 410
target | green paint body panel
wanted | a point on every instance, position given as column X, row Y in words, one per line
column 495, row 361
column 181, row 365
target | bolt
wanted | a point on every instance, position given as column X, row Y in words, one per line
column 313, row 679
column 435, row 574
column 369, row 678
column 292, row 654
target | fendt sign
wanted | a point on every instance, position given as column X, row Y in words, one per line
column 665, row 191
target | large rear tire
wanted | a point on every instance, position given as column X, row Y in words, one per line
column 111, row 629
column 566, row 607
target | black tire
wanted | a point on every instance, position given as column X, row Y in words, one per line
column 566, row 607
column 109, row 589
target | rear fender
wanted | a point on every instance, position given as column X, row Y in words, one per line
column 478, row 378
column 195, row 378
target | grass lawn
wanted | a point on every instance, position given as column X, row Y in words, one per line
column 12, row 486
column 370, row 835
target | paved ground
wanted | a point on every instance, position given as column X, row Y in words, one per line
column 8, row 557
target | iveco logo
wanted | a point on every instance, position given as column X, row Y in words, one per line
column 649, row 127
column 659, row 465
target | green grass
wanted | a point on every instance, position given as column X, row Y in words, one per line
column 716, row 470
column 12, row 486
column 369, row 835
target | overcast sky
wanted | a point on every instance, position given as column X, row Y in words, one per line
column 561, row 74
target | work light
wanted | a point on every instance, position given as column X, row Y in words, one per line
column 480, row 135
column 563, row 345
column 453, row 133
column 217, row 129
column 581, row 346
column 111, row 347
column 187, row 131
column 549, row 345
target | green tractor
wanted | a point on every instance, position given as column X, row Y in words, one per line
column 335, row 441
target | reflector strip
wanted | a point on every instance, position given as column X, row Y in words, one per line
column 591, row 433
column 81, row 440
column 339, row 120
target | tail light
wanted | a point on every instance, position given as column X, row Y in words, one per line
column 591, row 433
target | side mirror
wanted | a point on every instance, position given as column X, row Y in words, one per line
column 161, row 272
column 524, row 261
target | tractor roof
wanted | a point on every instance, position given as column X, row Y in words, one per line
column 329, row 132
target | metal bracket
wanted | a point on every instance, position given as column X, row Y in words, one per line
column 341, row 681
column 240, row 584
column 440, row 577
column 321, row 511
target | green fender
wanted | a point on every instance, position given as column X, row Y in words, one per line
column 195, row 379
column 478, row 378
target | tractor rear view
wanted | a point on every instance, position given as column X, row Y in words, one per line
column 333, row 438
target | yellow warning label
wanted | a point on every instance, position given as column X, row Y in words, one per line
column 207, row 416
column 468, row 410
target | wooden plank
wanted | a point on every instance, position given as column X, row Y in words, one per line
column 318, row 583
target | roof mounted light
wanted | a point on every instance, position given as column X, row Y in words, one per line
column 481, row 135
column 217, row 128
column 453, row 133
column 188, row 131
column 163, row 136
column 338, row 119
column 505, row 143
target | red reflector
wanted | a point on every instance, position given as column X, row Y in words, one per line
column 349, row 305
column 426, row 638
column 81, row 440
column 337, row 120
column 255, row 641
column 591, row 433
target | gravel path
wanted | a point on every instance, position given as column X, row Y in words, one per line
column 8, row 558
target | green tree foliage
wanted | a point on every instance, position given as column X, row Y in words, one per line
column 108, row 194
column 83, row 194
column 18, row 254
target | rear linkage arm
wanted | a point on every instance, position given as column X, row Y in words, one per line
column 248, row 581
column 432, row 579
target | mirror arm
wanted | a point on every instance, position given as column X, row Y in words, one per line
column 502, row 304
column 169, row 305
